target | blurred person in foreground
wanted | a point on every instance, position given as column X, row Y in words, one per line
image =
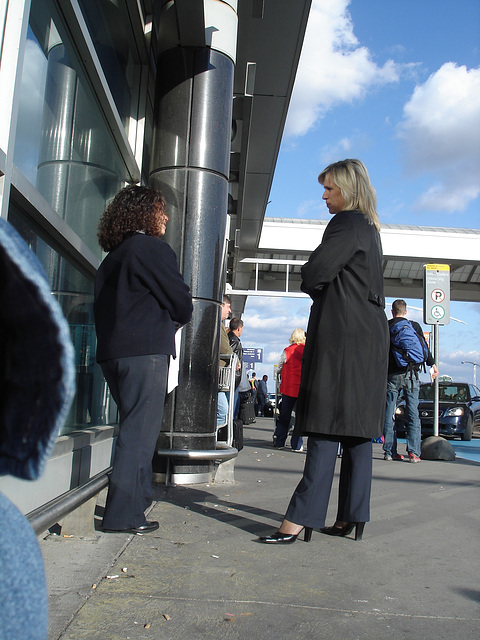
column 141, row 299
column 38, row 385
column 289, row 368
column 344, row 372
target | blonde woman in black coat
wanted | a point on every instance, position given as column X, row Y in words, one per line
column 344, row 371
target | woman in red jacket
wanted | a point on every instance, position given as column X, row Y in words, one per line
column 289, row 368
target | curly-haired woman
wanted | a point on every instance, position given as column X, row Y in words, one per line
column 140, row 301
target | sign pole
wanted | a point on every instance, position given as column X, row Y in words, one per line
column 436, row 341
column 436, row 311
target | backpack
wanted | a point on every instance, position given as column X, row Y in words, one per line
column 408, row 347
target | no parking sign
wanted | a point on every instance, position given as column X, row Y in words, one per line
column 436, row 292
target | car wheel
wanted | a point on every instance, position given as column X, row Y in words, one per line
column 467, row 435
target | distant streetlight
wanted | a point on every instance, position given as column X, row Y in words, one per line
column 475, row 364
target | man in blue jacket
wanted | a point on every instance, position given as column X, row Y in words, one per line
column 406, row 379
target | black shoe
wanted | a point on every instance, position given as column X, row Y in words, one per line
column 345, row 530
column 286, row 538
column 148, row 527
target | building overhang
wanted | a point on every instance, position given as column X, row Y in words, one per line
column 286, row 244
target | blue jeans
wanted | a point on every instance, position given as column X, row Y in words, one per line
column 24, row 609
column 283, row 424
column 236, row 404
column 410, row 385
column 261, row 399
column 222, row 409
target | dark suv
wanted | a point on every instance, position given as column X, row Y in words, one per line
column 458, row 410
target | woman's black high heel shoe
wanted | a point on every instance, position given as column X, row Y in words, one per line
column 286, row 538
column 345, row 530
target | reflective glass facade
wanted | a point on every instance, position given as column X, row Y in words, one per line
column 74, row 291
column 62, row 143
column 64, row 147
column 109, row 26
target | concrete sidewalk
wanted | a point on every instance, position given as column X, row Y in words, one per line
column 202, row 575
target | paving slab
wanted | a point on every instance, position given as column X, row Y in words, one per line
column 203, row 575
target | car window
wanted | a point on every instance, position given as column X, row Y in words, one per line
column 446, row 392
column 426, row 392
column 474, row 391
column 454, row 393
column 462, row 393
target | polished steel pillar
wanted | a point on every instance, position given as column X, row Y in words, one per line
column 190, row 164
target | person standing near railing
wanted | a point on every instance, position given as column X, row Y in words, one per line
column 235, row 331
column 225, row 349
column 141, row 300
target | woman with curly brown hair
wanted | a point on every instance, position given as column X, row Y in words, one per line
column 140, row 301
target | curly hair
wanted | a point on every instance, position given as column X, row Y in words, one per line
column 133, row 209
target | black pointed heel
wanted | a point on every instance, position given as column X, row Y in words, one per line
column 307, row 535
column 286, row 538
column 346, row 530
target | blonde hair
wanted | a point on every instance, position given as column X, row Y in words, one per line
column 351, row 177
column 298, row 336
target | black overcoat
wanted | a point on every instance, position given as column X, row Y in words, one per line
column 344, row 370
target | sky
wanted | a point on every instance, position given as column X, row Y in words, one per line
column 396, row 84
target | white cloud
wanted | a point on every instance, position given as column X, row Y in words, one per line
column 269, row 323
column 307, row 208
column 343, row 147
column 441, row 137
column 333, row 67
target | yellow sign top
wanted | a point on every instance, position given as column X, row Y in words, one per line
column 437, row 267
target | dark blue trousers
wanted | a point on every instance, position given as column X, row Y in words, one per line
column 283, row 423
column 138, row 386
column 309, row 503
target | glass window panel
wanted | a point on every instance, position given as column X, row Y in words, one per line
column 74, row 291
column 110, row 28
column 63, row 144
column 3, row 18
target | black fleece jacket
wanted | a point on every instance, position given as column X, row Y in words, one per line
column 140, row 299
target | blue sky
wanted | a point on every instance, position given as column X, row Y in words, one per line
column 397, row 84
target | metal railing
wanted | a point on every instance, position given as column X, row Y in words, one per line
column 224, row 449
column 47, row 515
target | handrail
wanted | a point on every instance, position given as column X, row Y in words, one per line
column 50, row 513
column 231, row 368
column 222, row 452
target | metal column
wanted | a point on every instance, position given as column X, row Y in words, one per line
column 190, row 164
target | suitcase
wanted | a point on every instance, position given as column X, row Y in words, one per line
column 247, row 411
column 238, row 434
column 268, row 411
